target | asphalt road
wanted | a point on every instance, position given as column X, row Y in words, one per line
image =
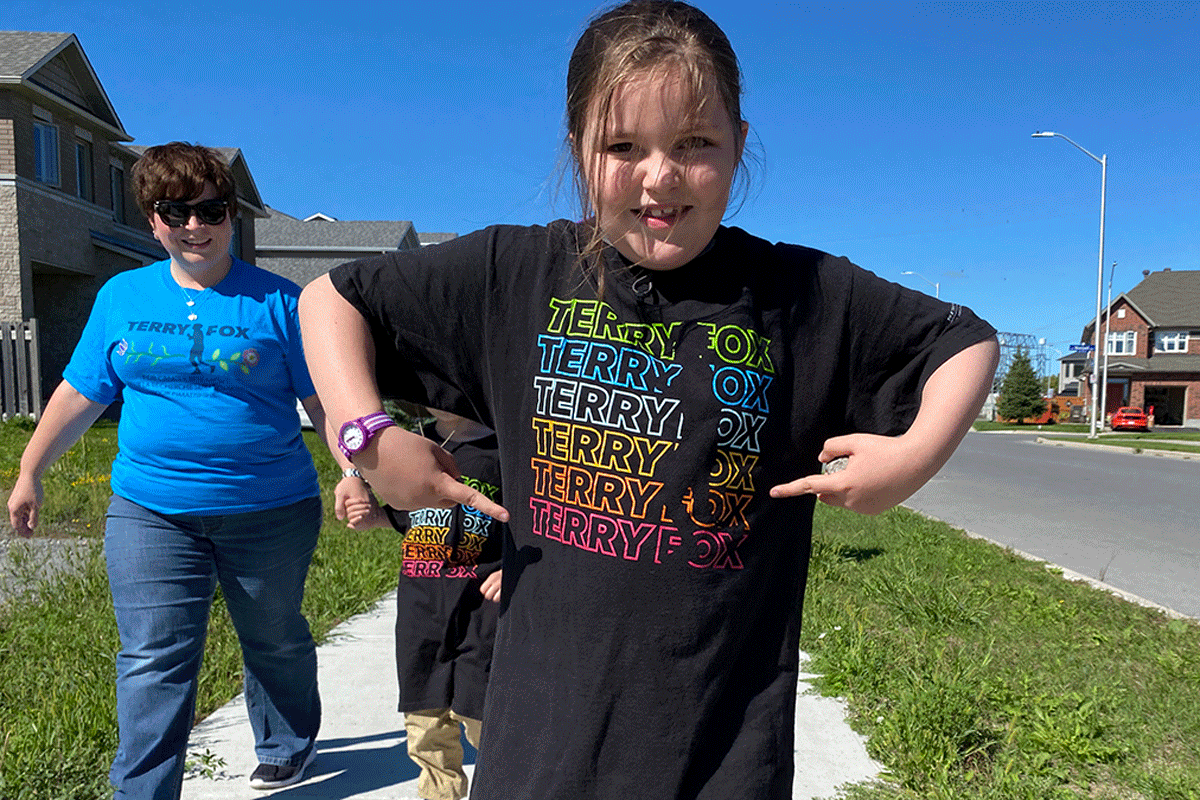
column 1132, row 521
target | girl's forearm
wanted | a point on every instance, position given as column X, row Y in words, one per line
column 340, row 353
column 950, row 402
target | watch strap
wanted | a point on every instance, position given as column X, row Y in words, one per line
column 373, row 423
column 370, row 425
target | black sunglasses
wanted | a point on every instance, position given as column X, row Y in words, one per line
column 176, row 213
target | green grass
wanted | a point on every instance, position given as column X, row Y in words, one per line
column 978, row 674
column 57, row 705
column 974, row 673
column 1189, row 435
column 1058, row 427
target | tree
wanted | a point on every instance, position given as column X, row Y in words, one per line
column 1021, row 391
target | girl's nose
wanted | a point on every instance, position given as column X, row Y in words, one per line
column 661, row 172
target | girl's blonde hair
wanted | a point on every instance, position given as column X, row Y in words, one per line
column 657, row 37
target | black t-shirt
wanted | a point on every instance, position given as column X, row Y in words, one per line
column 445, row 629
column 648, row 640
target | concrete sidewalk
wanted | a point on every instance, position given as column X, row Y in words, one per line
column 361, row 753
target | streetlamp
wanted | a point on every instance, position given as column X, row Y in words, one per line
column 1103, row 162
column 1107, row 324
column 936, row 286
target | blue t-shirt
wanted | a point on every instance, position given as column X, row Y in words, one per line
column 209, row 423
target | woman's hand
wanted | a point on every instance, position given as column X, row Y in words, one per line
column 67, row 417
column 23, row 504
column 408, row 471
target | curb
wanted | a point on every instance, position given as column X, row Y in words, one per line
column 1112, row 448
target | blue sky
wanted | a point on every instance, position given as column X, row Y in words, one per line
column 896, row 134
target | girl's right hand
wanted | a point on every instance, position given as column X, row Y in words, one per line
column 23, row 504
column 408, row 471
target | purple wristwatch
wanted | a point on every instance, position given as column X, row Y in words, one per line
column 358, row 433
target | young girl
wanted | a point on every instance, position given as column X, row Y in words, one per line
column 664, row 390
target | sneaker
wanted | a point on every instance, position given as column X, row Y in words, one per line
column 276, row 776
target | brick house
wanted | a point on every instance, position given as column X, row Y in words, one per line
column 68, row 217
column 1153, row 348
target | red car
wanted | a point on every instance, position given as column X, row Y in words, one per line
column 1130, row 419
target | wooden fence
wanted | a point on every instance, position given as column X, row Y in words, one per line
column 20, row 373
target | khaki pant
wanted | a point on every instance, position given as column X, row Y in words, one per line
column 434, row 746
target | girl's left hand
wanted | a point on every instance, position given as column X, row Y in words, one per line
column 490, row 588
column 353, row 502
column 881, row 472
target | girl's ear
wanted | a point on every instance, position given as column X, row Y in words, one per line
column 742, row 142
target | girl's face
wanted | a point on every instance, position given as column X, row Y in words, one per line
column 660, row 180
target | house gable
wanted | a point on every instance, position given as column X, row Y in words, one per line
column 52, row 70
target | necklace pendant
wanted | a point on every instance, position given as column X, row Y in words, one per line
column 191, row 303
column 192, row 317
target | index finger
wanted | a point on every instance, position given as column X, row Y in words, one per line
column 465, row 495
column 810, row 484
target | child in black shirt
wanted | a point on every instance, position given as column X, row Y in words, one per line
column 446, row 609
column 664, row 390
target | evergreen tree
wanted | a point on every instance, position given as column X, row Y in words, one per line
column 1021, row 391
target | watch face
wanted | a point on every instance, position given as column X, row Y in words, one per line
column 353, row 438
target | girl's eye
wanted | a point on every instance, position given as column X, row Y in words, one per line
column 695, row 143
column 619, row 148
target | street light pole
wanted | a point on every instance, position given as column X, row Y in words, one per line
column 937, row 287
column 1103, row 162
column 1107, row 325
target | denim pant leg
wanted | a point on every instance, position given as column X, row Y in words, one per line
column 162, row 578
column 262, row 562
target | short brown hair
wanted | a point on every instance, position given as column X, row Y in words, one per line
column 178, row 171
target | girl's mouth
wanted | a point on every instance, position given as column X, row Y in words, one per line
column 660, row 217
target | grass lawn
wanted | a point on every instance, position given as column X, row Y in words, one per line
column 978, row 674
column 1059, row 427
column 974, row 673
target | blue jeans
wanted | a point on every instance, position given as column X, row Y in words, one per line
column 163, row 570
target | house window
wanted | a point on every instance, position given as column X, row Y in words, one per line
column 116, row 192
column 1121, row 343
column 45, row 150
column 1171, row 341
column 84, row 175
